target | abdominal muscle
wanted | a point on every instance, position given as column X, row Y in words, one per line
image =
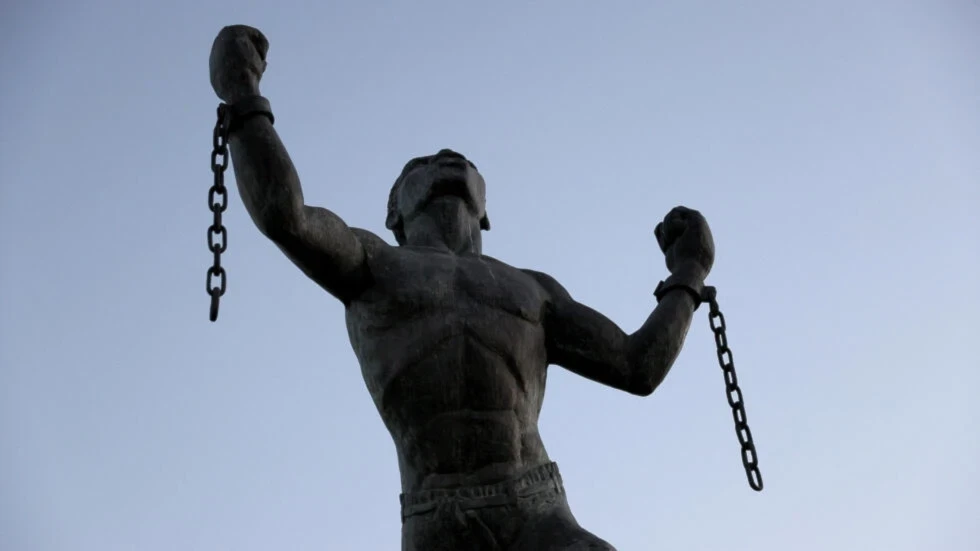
column 470, row 448
column 461, row 418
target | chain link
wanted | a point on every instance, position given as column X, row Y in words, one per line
column 217, row 280
column 734, row 394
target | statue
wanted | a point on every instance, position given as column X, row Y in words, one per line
column 454, row 346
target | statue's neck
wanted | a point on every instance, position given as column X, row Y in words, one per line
column 446, row 225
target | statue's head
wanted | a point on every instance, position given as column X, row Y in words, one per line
column 446, row 180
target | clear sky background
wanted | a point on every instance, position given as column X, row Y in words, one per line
column 834, row 148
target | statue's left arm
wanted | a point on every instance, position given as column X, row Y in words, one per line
column 588, row 343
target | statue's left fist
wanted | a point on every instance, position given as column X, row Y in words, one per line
column 685, row 239
column 237, row 62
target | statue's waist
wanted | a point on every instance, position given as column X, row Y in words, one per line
column 542, row 479
column 466, row 447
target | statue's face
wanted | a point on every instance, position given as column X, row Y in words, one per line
column 445, row 176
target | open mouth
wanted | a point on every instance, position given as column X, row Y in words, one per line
column 450, row 186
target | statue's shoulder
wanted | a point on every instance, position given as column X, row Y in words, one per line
column 371, row 242
column 548, row 283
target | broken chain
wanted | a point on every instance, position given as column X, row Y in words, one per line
column 750, row 459
column 217, row 281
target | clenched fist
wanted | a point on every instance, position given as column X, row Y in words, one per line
column 237, row 62
column 686, row 242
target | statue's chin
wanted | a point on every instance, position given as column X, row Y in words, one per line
column 446, row 204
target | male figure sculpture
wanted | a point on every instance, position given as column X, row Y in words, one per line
column 453, row 345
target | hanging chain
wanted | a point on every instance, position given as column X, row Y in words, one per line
column 749, row 458
column 218, row 201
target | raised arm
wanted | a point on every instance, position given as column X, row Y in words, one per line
column 315, row 239
column 590, row 344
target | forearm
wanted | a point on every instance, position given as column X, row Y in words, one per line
column 586, row 342
column 267, row 180
column 652, row 349
column 590, row 344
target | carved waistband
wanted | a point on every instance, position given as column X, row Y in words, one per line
column 537, row 480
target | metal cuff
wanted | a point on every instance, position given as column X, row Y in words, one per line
column 246, row 108
column 693, row 288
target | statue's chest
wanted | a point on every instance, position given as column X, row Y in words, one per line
column 409, row 285
column 426, row 309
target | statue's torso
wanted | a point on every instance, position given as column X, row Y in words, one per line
column 453, row 353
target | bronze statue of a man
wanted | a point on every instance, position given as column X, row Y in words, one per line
column 454, row 346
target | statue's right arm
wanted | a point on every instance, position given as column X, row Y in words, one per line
column 315, row 239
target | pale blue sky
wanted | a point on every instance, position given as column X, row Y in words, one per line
column 833, row 146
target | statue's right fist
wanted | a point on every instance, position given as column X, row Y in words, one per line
column 685, row 239
column 237, row 62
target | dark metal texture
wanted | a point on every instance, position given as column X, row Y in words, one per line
column 750, row 460
column 217, row 281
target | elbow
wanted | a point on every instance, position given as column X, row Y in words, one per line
column 647, row 367
column 645, row 381
column 642, row 389
column 275, row 233
column 280, row 229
